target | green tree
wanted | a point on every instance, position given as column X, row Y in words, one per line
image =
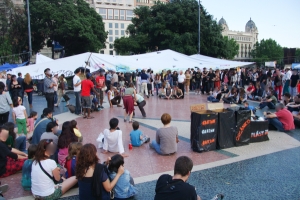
column 73, row 23
column 175, row 26
column 267, row 50
column 297, row 55
column 230, row 48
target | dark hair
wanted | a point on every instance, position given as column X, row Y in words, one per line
column 73, row 124
column 288, row 95
column 4, row 127
column 46, row 111
column 32, row 114
column 115, row 162
column 50, row 126
column 77, row 71
column 41, row 149
column 113, row 123
column 19, row 74
column 183, row 166
column 16, row 101
column 2, row 86
column 131, row 85
column 12, row 77
column 11, row 129
column 67, row 136
column 135, row 125
column 246, row 102
column 32, row 150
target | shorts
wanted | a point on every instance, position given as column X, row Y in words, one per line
column 55, row 195
column 100, row 96
column 86, row 102
column 198, row 84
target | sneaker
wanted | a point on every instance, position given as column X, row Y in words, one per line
column 101, row 107
column 148, row 140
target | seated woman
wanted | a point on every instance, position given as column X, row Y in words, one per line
column 250, row 91
column 257, row 94
column 166, row 137
column 216, row 95
column 162, row 92
column 230, row 97
column 45, row 171
column 113, row 141
column 168, row 92
column 242, row 96
column 92, row 177
column 177, row 93
column 124, row 188
column 12, row 140
column 76, row 131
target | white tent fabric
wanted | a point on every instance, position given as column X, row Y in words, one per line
column 217, row 63
column 40, row 58
column 297, row 66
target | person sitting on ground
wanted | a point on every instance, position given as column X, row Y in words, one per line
column 297, row 119
column 287, row 99
column 76, row 131
column 213, row 97
column 92, row 176
column 113, row 141
column 169, row 92
column 137, row 138
column 247, row 107
column 162, row 92
column 45, row 171
column 166, row 137
column 250, row 91
column 124, row 189
column 230, row 97
column 242, row 96
column 11, row 159
column 13, row 141
column 282, row 120
column 26, row 169
column 176, row 187
column 50, row 133
column 257, row 94
column 70, row 164
column 294, row 106
column 113, row 97
column 264, row 94
column 270, row 101
column 177, row 92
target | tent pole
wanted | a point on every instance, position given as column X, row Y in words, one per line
column 86, row 63
column 199, row 20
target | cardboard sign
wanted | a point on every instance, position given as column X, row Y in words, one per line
column 215, row 106
column 198, row 107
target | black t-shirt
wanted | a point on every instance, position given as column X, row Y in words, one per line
column 204, row 74
column 211, row 76
column 5, row 152
column 294, row 80
column 179, row 191
column 198, row 76
column 175, row 77
column 127, row 77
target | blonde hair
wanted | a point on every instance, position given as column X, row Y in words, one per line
column 74, row 149
column 27, row 78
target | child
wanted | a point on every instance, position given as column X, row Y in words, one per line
column 247, row 107
column 70, row 163
column 26, row 169
column 30, row 121
column 20, row 115
column 136, row 136
column 76, row 130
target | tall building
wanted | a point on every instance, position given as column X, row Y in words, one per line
column 245, row 40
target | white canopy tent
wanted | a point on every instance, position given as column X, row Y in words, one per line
column 40, row 58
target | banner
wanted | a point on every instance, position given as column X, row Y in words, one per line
column 259, row 131
column 204, row 129
column 226, row 130
column 243, row 132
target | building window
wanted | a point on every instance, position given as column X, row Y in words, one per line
column 110, row 32
column 116, row 38
column 110, row 25
column 111, row 52
column 116, row 14
column 122, row 26
column 122, row 14
column 129, row 15
column 102, row 12
column 111, row 46
column 116, row 25
column 111, row 39
column 110, row 13
column 102, row 52
column 122, row 32
column 116, row 32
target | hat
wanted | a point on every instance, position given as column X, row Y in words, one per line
column 47, row 111
column 46, row 70
column 88, row 75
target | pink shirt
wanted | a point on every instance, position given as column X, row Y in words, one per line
column 30, row 124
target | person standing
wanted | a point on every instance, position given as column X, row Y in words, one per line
column 8, row 82
column 61, row 90
column 115, row 79
column 5, row 104
column 198, row 75
column 100, row 85
column 55, row 79
column 15, row 87
column 144, row 81
column 278, row 83
column 287, row 81
column 181, row 80
column 87, row 87
column 108, row 79
column 204, row 81
column 293, row 83
column 77, row 91
column 211, row 79
column 20, row 81
column 187, row 81
column 49, row 85
column 28, row 88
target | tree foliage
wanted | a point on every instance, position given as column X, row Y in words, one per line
column 175, row 26
column 267, row 50
column 72, row 23
column 297, row 55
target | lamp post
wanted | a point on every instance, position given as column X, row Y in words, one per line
column 199, row 20
column 29, row 30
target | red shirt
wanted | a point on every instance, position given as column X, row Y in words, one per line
column 100, row 80
column 250, row 88
column 86, row 86
column 286, row 118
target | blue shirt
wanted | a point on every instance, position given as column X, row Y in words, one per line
column 26, row 175
column 39, row 129
column 135, row 137
column 250, row 108
column 144, row 78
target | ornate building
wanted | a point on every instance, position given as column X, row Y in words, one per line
column 245, row 40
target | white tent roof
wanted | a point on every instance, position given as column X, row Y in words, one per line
column 40, row 58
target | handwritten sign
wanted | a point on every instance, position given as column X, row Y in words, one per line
column 197, row 107
column 215, row 106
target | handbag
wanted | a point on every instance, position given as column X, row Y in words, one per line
column 104, row 89
column 28, row 90
column 51, row 177
column 66, row 97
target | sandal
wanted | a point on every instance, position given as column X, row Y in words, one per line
column 90, row 117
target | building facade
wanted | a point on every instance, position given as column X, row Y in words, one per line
column 246, row 40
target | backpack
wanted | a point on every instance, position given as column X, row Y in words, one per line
column 71, row 108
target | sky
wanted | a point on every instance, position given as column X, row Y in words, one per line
column 275, row 19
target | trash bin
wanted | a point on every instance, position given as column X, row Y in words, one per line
column 243, row 132
column 226, row 128
column 204, row 129
column 259, row 131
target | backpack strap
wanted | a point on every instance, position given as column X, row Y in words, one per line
column 51, row 177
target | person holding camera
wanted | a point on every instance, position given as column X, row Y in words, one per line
column 49, row 85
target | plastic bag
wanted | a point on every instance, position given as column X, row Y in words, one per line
column 100, row 140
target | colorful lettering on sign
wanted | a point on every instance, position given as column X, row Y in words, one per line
column 259, row 133
column 206, row 142
column 208, row 131
column 242, row 128
column 208, row 122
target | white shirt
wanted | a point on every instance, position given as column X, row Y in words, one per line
column 181, row 78
column 19, row 112
column 113, row 141
column 287, row 75
column 115, row 78
column 41, row 184
column 55, row 80
column 112, row 94
column 76, row 80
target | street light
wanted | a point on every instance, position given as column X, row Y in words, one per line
column 29, row 30
column 199, row 20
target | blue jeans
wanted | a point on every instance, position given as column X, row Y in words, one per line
column 55, row 97
column 78, row 103
column 29, row 94
column 156, row 146
column 20, row 143
column 157, row 87
column 212, row 99
column 275, row 122
column 264, row 104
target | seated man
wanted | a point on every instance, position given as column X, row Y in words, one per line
column 176, row 188
column 177, row 93
column 113, row 97
column 282, row 119
column 270, row 101
column 294, row 106
column 297, row 119
column 287, row 98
